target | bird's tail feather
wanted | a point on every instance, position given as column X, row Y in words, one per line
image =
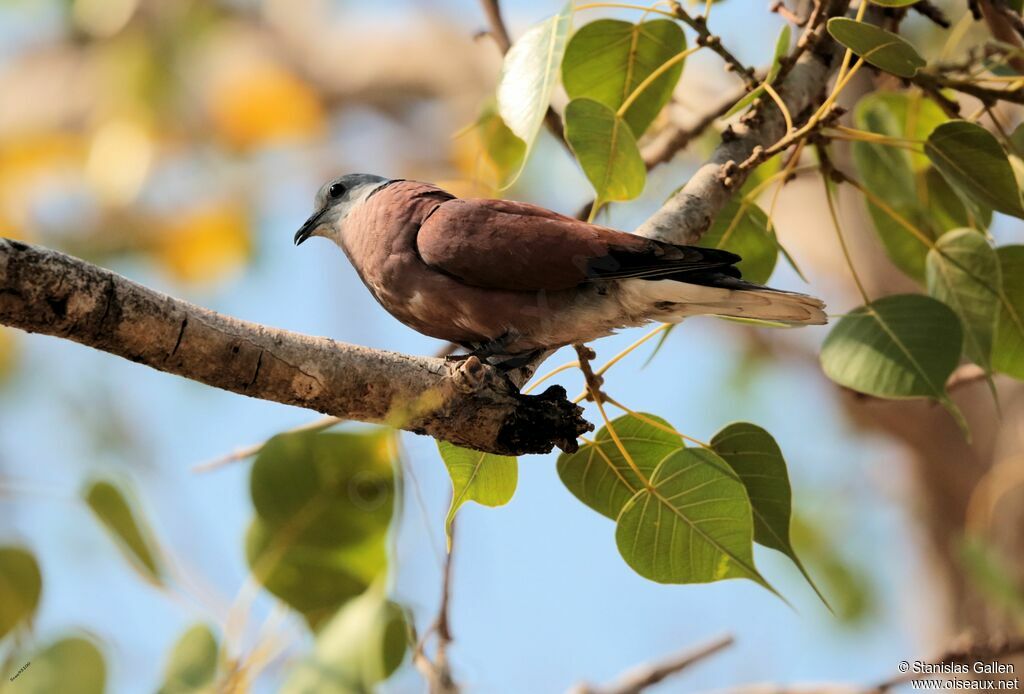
column 733, row 298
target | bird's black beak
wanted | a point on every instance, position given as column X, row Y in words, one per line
column 308, row 227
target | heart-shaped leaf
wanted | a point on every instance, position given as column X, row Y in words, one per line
column 881, row 48
column 193, row 662
column 529, row 75
column 323, row 503
column 755, row 456
column 974, row 163
column 127, row 527
column 485, row 478
column 1008, row 349
column 21, row 584
column 598, row 474
column 743, row 228
column 606, row 149
column 692, row 524
column 963, row 273
column 357, row 649
column 902, row 346
column 608, row 59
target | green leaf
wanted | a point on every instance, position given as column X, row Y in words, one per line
column 894, row 3
column 781, row 49
column 972, row 161
column 21, row 584
column 744, row 229
column 313, row 581
column 599, row 476
column 529, row 74
column 903, row 179
column 963, row 273
column 876, row 46
column 608, row 59
column 606, row 149
column 693, row 524
column 128, row 528
column 1008, row 348
column 323, row 503
column 992, row 575
column 902, row 346
column 358, row 648
column 853, row 596
column 192, row 665
column 754, row 455
column 69, row 666
column 485, row 478
column 503, row 149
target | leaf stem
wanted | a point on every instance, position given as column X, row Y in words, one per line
column 662, row 69
column 842, row 240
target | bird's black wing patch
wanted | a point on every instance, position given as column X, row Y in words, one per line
column 663, row 261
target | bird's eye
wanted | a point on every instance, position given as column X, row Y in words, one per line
column 336, row 190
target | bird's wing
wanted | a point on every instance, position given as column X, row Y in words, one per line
column 499, row 244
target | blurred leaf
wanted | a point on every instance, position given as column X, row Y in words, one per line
column 781, row 49
column 599, row 476
column 206, row 242
column 323, row 503
column 254, row 104
column 529, row 74
column 503, row 149
column 963, row 273
column 904, row 180
column 849, row 587
column 744, row 229
column 1008, row 348
column 876, row 46
column 894, row 3
column 992, row 575
column 192, row 665
column 608, row 59
column 21, row 584
column 901, row 346
column 606, row 149
column 754, row 455
column 485, row 478
column 358, row 648
column 69, row 666
column 692, row 524
column 128, row 528
column 313, row 581
column 972, row 161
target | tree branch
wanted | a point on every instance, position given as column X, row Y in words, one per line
column 469, row 404
column 689, row 213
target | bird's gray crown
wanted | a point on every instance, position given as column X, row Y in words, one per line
column 333, row 202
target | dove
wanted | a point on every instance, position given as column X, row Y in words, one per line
column 509, row 281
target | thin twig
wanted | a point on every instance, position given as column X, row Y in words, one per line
column 636, row 681
column 706, row 38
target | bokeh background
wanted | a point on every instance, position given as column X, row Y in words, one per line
column 181, row 142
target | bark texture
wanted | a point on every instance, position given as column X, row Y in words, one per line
column 467, row 403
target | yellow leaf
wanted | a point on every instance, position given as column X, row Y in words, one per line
column 262, row 103
column 8, row 353
column 205, row 243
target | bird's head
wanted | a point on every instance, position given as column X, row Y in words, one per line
column 334, row 201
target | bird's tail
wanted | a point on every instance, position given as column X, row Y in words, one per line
column 728, row 296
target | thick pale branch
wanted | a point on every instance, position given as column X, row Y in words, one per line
column 689, row 213
column 468, row 404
